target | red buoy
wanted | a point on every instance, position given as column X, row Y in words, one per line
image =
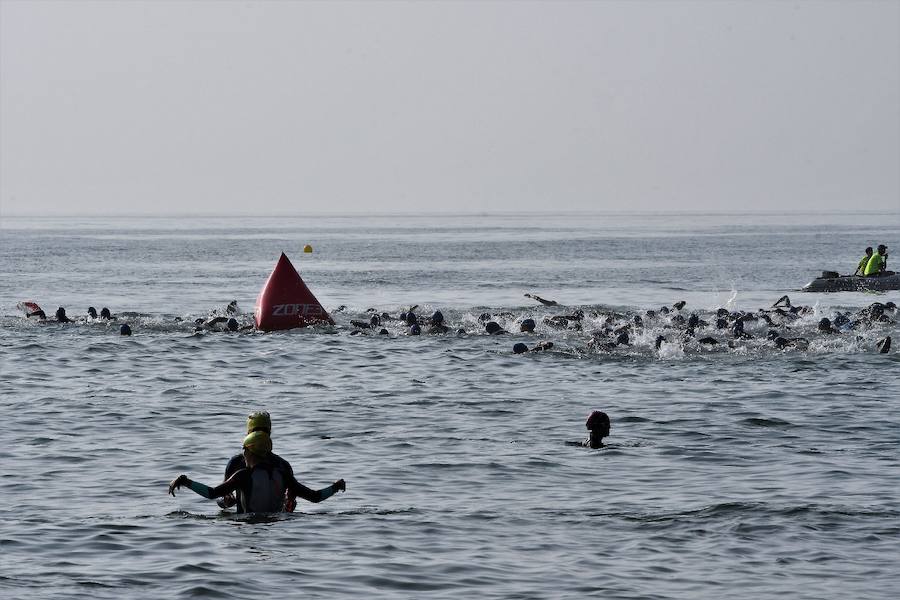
column 285, row 302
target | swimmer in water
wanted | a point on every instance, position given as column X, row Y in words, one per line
column 542, row 300
column 598, row 424
column 261, row 485
column 257, row 421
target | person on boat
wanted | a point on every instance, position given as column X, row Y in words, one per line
column 261, row 485
column 878, row 263
column 861, row 267
column 256, row 421
column 598, row 425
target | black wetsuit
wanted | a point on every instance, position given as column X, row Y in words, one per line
column 261, row 488
column 237, row 463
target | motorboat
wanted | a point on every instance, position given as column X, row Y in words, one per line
column 831, row 281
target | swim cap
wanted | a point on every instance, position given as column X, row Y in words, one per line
column 258, row 442
column 597, row 419
column 527, row 325
column 437, row 318
column 125, row 330
column 259, row 421
column 520, row 348
column 493, row 328
column 415, row 329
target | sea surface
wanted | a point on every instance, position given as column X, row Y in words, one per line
column 737, row 471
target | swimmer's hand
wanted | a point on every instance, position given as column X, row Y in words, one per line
column 339, row 485
column 177, row 483
column 226, row 501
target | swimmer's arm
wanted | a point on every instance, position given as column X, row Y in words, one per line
column 204, row 490
column 298, row 489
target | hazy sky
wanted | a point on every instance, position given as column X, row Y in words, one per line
column 296, row 107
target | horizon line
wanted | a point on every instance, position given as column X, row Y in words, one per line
column 424, row 213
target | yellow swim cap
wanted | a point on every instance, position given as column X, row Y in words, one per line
column 259, row 443
column 259, row 420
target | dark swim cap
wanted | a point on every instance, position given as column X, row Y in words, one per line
column 596, row 420
column 520, row 348
column 493, row 327
column 411, row 318
column 437, row 318
column 125, row 329
column 527, row 325
column 92, row 312
column 232, row 324
column 415, row 329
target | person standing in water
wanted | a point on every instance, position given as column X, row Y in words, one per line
column 261, row 485
column 256, row 421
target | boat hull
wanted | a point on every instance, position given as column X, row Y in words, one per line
column 850, row 283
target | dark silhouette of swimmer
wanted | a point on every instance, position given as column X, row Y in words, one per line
column 415, row 329
column 783, row 302
column 105, row 314
column 493, row 328
column 543, row 301
column 232, row 308
column 679, row 305
column 826, row 327
column 61, row 315
column 738, row 330
column 541, row 346
column 437, row 323
column 598, row 424
column 92, row 312
column 125, row 329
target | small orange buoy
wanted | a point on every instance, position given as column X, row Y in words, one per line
column 307, row 249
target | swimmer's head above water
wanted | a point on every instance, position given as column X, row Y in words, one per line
column 598, row 424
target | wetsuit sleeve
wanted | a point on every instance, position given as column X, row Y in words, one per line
column 230, row 485
column 298, row 489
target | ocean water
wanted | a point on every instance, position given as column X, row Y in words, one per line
column 738, row 470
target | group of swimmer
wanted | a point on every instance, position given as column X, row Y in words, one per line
column 217, row 322
column 608, row 330
column 873, row 264
column 259, row 481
